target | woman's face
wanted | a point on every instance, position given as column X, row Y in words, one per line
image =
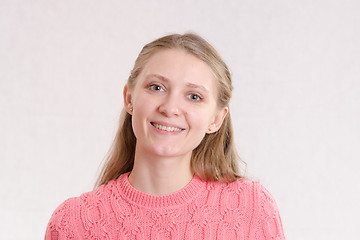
column 174, row 104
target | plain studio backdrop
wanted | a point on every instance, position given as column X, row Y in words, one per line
column 295, row 106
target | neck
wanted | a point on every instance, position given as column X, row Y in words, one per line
column 160, row 175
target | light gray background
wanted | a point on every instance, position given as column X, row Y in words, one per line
column 296, row 113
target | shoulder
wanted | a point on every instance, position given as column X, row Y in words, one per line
column 254, row 193
column 265, row 204
column 252, row 189
column 241, row 186
column 73, row 215
column 255, row 202
column 60, row 225
column 266, row 220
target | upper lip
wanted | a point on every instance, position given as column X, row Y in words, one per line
column 166, row 124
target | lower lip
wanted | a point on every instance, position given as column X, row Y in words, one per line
column 163, row 132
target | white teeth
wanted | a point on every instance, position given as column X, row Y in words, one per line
column 169, row 129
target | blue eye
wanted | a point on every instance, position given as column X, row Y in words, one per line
column 194, row 97
column 156, row 88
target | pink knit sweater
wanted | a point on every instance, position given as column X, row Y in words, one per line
column 201, row 210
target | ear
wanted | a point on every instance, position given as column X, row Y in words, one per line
column 127, row 100
column 218, row 120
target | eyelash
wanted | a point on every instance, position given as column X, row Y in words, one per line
column 190, row 96
column 153, row 86
column 199, row 98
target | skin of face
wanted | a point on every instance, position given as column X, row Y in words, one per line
column 174, row 103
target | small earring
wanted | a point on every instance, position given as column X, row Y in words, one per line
column 211, row 127
column 130, row 108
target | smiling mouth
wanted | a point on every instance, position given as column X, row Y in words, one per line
column 165, row 128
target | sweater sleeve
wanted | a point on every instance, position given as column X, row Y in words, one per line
column 266, row 220
column 61, row 226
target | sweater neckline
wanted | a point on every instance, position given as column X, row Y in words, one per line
column 184, row 195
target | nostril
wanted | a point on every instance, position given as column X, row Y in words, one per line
column 169, row 110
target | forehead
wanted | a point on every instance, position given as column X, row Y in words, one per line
column 179, row 66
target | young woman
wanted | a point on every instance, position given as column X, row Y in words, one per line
column 172, row 172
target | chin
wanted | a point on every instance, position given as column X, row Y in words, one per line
column 166, row 152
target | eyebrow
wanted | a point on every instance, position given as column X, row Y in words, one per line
column 162, row 78
column 202, row 88
column 189, row 85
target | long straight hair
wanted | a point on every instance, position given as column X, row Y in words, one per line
column 216, row 158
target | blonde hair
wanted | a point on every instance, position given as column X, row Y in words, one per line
column 215, row 159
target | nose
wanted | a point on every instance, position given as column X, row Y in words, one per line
column 170, row 106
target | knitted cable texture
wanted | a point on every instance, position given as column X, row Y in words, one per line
column 201, row 210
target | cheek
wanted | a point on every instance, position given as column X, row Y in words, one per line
column 143, row 105
column 136, row 126
column 200, row 120
column 139, row 118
